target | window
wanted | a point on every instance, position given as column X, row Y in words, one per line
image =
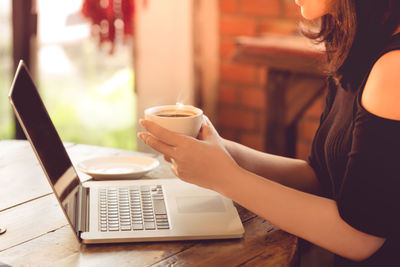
column 88, row 92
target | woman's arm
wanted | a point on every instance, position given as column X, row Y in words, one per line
column 310, row 217
column 294, row 173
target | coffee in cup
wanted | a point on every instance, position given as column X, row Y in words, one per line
column 182, row 119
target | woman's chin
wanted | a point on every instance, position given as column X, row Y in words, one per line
column 309, row 15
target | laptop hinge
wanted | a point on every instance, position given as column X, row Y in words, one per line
column 83, row 213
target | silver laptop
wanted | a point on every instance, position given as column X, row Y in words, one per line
column 119, row 211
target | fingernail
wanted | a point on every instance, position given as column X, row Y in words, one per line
column 143, row 123
column 140, row 135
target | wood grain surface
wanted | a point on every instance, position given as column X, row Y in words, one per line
column 38, row 233
column 293, row 53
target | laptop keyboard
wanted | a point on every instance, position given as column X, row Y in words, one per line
column 132, row 208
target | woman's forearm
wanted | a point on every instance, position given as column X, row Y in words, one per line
column 311, row 217
column 293, row 173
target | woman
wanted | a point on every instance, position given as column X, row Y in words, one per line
column 346, row 199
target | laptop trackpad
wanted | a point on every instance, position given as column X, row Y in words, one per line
column 198, row 204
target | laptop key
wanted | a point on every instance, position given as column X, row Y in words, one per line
column 137, row 226
column 159, row 207
column 125, row 227
column 145, row 188
column 149, row 225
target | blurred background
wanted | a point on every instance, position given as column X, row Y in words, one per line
column 96, row 82
column 88, row 92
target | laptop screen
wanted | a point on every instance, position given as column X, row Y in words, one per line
column 39, row 129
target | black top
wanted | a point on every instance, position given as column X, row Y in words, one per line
column 356, row 157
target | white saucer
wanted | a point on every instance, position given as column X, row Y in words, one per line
column 118, row 167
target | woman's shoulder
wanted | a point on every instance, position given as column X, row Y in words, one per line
column 381, row 93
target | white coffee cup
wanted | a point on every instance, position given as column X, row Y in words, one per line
column 182, row 119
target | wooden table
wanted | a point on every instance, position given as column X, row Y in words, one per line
column 38, row 233
column 295, row 79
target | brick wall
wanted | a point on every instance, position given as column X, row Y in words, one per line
column 242, row 99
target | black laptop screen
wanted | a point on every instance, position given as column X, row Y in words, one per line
column 43, row 136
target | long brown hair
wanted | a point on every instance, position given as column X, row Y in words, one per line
column 353, row 34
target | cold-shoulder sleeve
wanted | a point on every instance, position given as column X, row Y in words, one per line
column 369, row 198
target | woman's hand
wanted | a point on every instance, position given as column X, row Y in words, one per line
column 202, row 161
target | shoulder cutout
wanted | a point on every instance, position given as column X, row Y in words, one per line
column 381, row 95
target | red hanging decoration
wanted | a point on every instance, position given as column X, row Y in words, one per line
column 111, row 19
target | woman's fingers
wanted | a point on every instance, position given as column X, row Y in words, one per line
column 174, row 167
column 206, row 119
column 167, row 158
column 209, row 123
column 207, row 130
column 158, row 145
column 161, row 133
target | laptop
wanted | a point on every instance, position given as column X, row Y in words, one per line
column 119, row 210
